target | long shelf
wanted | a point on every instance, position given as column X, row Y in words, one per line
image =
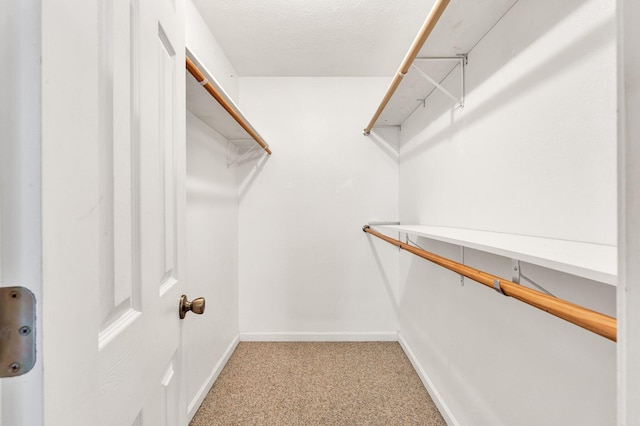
column 458, row 30
column 596, row 262
column 210, row 103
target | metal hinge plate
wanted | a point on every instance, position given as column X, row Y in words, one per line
column 17, row 331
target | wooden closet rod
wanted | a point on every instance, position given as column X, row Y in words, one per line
column 596, row 322
column 200, row 78
column 432, row 19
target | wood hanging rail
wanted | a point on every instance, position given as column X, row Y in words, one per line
column 596, row 322
column 432, row 19
column 200, row 78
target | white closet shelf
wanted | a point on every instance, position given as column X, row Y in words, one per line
column 596, row 262
column 462, row 25
column 203, row 105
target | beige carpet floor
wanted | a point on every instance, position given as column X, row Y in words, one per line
column 318, row 383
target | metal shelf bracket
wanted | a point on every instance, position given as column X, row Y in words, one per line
column 462, row 261
column 240, row 156
column 517, row 275
column 515, row 271
column 462, row 61
column 384, row 142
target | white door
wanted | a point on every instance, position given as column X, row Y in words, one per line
column 140, row 211
column 112, row 212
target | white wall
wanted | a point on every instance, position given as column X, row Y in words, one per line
column 536, row 138
column 201, row 43
column 212, row 232
column 212, row 258
column 306, row 268
column 533, row 152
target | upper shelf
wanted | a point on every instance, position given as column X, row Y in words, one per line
column 593, row 261
column 450, row 30
column 210, row 103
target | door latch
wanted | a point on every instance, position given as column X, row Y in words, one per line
column 17, row 331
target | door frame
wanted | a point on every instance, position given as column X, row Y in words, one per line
column 20, row 189
column 628, row 292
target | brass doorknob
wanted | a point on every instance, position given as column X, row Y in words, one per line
column 196, row 306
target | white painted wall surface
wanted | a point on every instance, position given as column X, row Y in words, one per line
column 212, row 258
column 497, row 361
column 201, row 43
column 533, row 152
column 212, row 229
column 306, row 268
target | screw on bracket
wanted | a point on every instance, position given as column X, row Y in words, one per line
column 17, row 331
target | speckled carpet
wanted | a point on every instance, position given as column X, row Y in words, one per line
column 318, row 383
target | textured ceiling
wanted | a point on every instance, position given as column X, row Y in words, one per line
column 314, row 37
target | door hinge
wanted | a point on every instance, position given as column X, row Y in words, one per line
column 17, row 331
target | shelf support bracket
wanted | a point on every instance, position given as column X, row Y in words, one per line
column 462, row 62
column 384, row 143
column 515, row 271
column 241, row 156
column 517, row 275
column 462, row 262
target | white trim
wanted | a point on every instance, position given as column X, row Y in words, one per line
column 208, row 384
column 628, row 301
column 117, row 327
column 428, row 384
column 21, row 186
column 380, row 336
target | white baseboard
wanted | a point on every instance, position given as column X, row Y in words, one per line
column 386, row 336
column 428, row 384
column 208, row 384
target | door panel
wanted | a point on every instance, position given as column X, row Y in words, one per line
column 119, row 166
column 167, row 64
column 122, row 318
column 92, row 207
column 143, row 178
column 162, row 409
column 113, row 206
